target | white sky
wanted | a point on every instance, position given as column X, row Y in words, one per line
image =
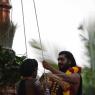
column 58, row 23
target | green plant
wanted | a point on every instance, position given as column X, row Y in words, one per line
column 89, row 72
column 9, row 67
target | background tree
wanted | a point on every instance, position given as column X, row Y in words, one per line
column 89, row 72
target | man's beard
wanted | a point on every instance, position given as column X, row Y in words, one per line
column 64, row 67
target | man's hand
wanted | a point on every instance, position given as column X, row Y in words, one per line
column 65, row 85
column 46, row 65
column 54, row 77
column 49, row 67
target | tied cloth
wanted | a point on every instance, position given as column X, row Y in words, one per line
column 66, row 86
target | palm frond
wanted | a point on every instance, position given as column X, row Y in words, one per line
column 37, row 45
column 7, row 31
column 49, row 56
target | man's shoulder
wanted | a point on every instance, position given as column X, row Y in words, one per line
column 74, row 69
column 34, row 82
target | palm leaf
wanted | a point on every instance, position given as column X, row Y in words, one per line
column 7, row 31
column 47, row 55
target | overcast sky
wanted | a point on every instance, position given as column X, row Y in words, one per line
column 58, row 23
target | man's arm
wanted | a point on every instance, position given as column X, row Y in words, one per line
column 73, row 78
column 65, row 85
column 38, row 88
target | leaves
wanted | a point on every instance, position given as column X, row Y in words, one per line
column 89, row 72
column 37, row 45
column 9, row 66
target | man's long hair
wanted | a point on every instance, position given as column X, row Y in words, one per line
column 69, row 56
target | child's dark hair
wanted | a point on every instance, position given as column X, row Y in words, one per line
column 28, row 66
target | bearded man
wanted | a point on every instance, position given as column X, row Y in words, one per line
column 67, row 80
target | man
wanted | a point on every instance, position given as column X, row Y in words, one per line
column 29, row 85
column 67, row 80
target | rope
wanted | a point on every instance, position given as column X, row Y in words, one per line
column 47, row 90
column 38, row 28
column 38, row 31
column 24, row 27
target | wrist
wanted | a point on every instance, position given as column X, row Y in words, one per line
column 51, row 69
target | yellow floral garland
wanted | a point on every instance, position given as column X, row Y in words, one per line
column 66, row 84
column 69, row 72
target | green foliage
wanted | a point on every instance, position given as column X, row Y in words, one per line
column 88, row 81
column 19, row 60
column 9, row 66
column 89, row 72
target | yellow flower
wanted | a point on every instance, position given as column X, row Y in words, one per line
column 68, row 72
column 76, row 69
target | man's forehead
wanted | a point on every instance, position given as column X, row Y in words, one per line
column 62, row 55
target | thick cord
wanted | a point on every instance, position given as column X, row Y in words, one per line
column 24, row 27
column 38, row 31
column 38, row 28
column 47, row 90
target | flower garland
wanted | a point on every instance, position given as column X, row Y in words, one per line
column 66, row 85
column 69, row 72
